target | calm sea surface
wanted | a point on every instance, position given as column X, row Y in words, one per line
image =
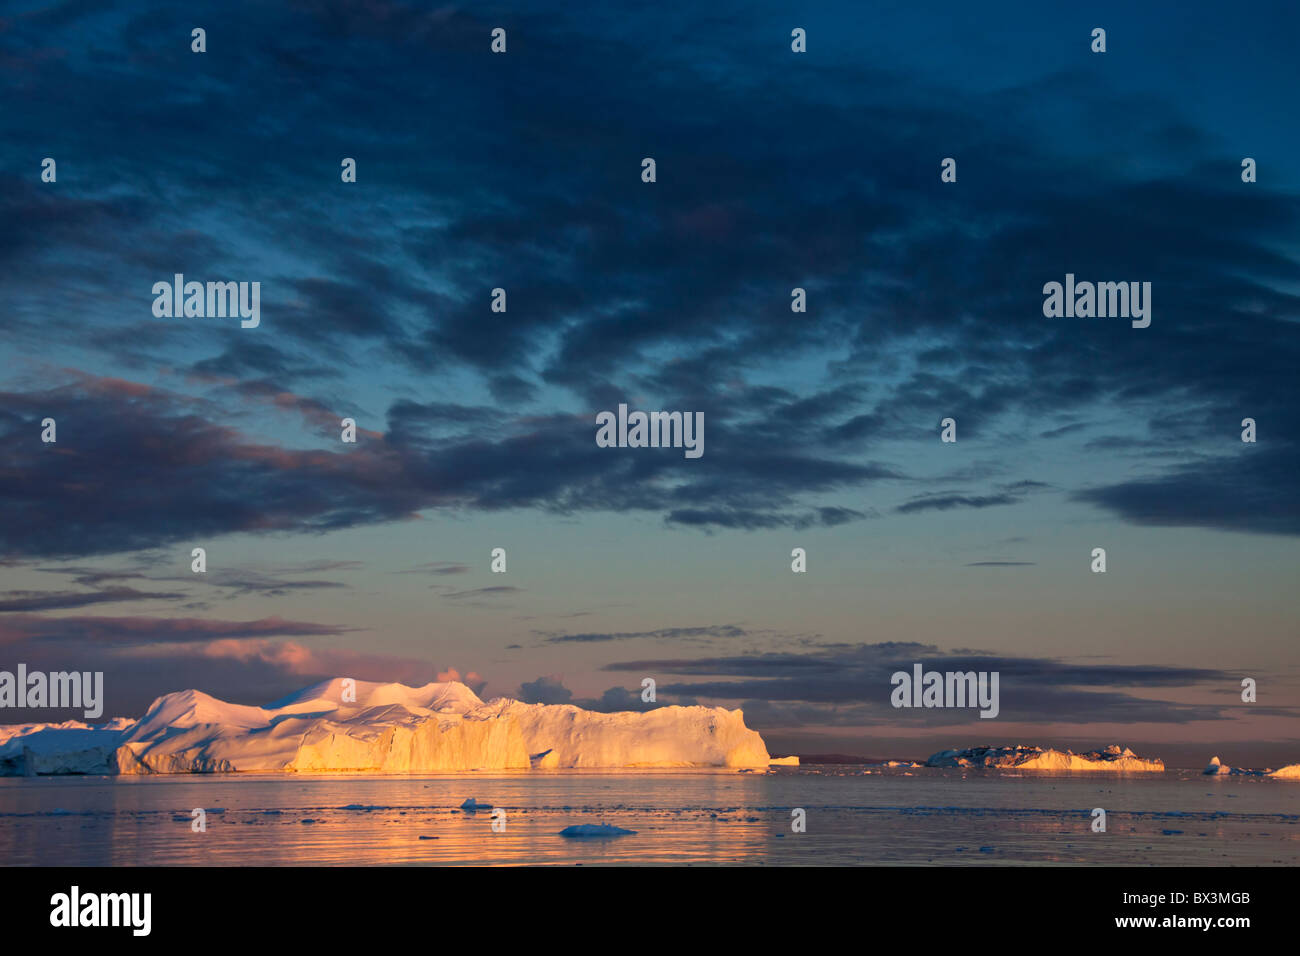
column 855, row 815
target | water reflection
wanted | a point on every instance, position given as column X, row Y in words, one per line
column 681, row 817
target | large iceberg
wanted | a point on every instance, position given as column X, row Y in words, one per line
column 380, row 728
column 1112, row 758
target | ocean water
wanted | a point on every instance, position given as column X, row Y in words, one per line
column 855, row 815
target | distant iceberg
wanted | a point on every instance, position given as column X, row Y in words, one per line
column 390, row 728
column 1289, row 772
column 1114, row 758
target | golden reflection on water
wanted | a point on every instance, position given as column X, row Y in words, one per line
column 680, row 817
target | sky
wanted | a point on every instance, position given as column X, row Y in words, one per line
column 476, row 429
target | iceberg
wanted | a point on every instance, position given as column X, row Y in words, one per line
column 1289, row 772
column 380, row 728
column 71, row 747
column 588, row 830
column 1114, row 758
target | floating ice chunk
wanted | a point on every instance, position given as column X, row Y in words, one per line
column 594, row 830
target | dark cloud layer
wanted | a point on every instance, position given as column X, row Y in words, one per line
column 849, row 685
column 928, row 296
column 127, row 631
column 667, row 633
column 25, row 601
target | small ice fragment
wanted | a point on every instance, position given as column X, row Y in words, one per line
column 594, row 830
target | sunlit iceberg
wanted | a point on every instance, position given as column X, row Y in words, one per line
column 1113, row 758
column 381, row 728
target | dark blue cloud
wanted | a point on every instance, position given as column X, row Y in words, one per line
column 522, row 171
column 849, row 685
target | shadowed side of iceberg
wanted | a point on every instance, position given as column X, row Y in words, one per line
column 71, row 747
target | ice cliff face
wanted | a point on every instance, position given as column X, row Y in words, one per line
column 387, row 728
column 566, row 736
column 1036, row 758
